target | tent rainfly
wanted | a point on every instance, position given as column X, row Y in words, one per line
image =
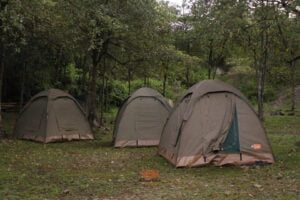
column 214, row 124
column 141, row 118
column 50, row 116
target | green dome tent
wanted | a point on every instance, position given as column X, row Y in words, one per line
column 141, row 118
column 52, row 115
column 214, row 124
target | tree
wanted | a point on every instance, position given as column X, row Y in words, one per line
column 10, row 37
column 212, row 29
column 288, row 31
column 262, row 41
column 113, row 30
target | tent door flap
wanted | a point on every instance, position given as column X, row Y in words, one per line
column 232, row 141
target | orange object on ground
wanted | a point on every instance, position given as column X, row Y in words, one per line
column 149, row 175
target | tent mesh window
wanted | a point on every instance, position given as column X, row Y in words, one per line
column 232, row 141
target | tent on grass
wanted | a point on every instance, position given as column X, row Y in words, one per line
column 214, row 124
column 141, row 118
column 52, row 115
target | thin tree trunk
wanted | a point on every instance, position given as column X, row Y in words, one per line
column 260, row 82
column 64, row 75
column 83, row 81
column 293, row 88
column 1, row 84
column 58, row 67
column 102, row 93
column 129, row 81
column 165, row 80
column 260, row 94
column 102, row 100
column 145, row 78
column 106, row 95
column 187, row 76
column 210, row 60
column 214, row 73
column 164, row 84
column 22, row 86
column 262, row 73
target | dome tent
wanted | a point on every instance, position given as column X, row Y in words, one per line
column 214, row 124
column 141, row 118
column 52, row 115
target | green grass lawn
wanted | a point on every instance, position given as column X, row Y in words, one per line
column 95, row 170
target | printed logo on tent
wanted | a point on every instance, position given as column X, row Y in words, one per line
column 256, row 146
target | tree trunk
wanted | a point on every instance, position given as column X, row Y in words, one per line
column 1, row 84
column 145, row 78
column 214, row 73
column 187, row 76
column 58, row 67
column 106, row 95
column 293, row 87
column 210, row 60
column 97, row 55
column 260, row 94
column 83, row 78
column 165, row 80
column 3, row 5
column 164, row 84
column 64, row 75
column 129, row 81
column 262, row 73
column 102, row 99
column 22, row 86
column 102, row 93
column 92, row 97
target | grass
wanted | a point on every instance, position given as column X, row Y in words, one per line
column 95, row 170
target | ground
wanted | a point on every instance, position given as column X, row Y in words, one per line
column 95, row 170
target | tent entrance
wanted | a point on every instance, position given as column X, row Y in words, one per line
column 232, row 141
column 68, row 116
column 148, row 118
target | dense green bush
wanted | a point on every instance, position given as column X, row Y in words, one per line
column 117, row 92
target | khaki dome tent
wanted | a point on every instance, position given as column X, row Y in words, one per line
column 52, row 115
column 141, row 119
column 214, row 123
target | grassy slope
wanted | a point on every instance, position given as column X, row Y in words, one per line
column 95, row 170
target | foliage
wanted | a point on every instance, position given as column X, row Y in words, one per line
column 101, row 51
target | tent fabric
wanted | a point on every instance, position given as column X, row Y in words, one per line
column 50, row 116
column 201, row 126
column 141, row 118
